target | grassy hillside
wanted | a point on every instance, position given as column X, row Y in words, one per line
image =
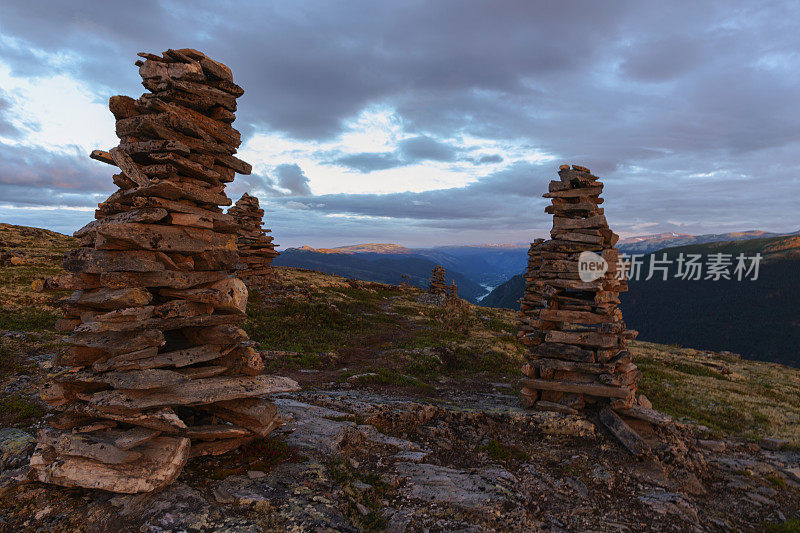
column 323, row 329
column 39, row 253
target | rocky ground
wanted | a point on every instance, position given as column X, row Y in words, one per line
column 408, row 421
column 353, row 460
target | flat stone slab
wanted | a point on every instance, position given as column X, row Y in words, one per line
column 180, row 508
column 440, row 484
column 312, row 427
column 663, row 503
column 411, row 456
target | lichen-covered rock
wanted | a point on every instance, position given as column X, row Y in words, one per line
column 15, row 447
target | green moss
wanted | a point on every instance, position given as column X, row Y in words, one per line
column 431, row 337
column 422, row 366
column 776, row 480
column 790, row 526
column 9, row 362
column 386, row 376
column 466, row 360
column 752, row 401
column 502, row 452
column 28, row 319
column 502, row 325
column 15, row 409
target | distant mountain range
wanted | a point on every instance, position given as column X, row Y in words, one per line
column 759, row 319
column 650, row 243
column 380, row 267
column 487, row 264
column 507, row 293
column 476, row 269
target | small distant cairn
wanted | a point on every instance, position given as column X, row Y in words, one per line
column 452, row 291
column 256, row 249
column 438, row 284
column 573, row 328
column 158, row 370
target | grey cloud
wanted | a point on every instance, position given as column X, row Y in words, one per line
column 340, row 58
column 409, row 151
column 646, row 94
column 254, row 184
column 663, row 59
column 37, row 168
column 292, row 178
column 34, row 177
column 7, row 129
column 21, row 195
column 367, row 161
column 62, row 220
column 487, row 159
column 424, row 148
column 288, row 180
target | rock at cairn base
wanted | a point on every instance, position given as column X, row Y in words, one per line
column 572, row 328
column 158, row 370
column 256, row 250
column 438, row 285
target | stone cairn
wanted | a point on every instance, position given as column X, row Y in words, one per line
column 438, row 284
column 573, row 328
column 158, row 370
column 256, row 250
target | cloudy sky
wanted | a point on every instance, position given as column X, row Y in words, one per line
column 427, row 123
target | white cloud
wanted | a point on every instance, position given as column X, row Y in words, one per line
column 57, row 113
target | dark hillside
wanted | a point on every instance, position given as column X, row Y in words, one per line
column 506, row 295
column 377, row 267
column 759, row 319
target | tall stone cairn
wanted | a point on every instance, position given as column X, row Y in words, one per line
column 158, row 370
column 438, row 284
column 256, row 249
column 573, row 329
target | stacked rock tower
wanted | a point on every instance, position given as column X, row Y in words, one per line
column 573, row 327
column 158, row 370
column 438, row 284
column 256, row 249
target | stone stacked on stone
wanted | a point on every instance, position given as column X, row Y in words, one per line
column 256, row 249
column 158, row 369
column 438, row 284
column 573, row 327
